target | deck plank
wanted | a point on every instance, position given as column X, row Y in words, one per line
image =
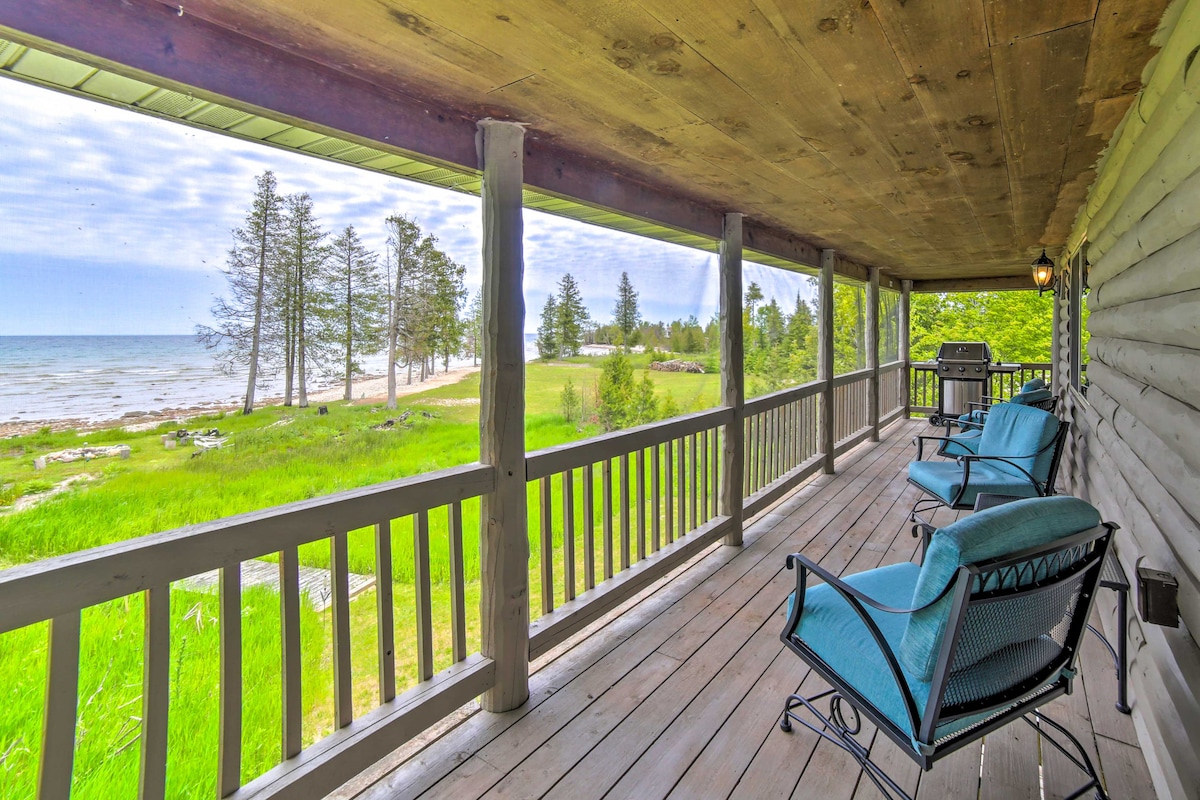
column 679, row 692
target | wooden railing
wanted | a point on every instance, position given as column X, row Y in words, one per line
column 617, row 511
column 851, row 409
column 607, row 516
column 891, row 396
column 782, row 445
column 924, row 383
column 58, row 590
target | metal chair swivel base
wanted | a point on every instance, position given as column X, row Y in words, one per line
column 833, row 727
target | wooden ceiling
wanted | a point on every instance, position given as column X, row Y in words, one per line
column 933, row 138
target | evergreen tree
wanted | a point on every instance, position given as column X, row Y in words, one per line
column 572, row 317
column 473, row 324
column 242, row 320
column 357, row 313
column 547, row 332
column 404, row 239
column 754, row 296
column 304, row 259
column 626, row 315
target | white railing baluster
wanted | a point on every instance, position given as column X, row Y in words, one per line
column 156, row 671
column 385, row 623
column 568, row 490
column 458, row 583
column 61, row 705
column 343, row 679
column 289, row 618
column 424, row 601
column 547, row 540
column 624, row 511
column 229, row 746
column 589, row 528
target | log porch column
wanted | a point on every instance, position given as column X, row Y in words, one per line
column 873, row 349
column 825, row 357
column 733, row 394
column 504, row 545
column 905, row 326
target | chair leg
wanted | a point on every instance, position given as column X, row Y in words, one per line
column 1083, row 763
column 834, row 729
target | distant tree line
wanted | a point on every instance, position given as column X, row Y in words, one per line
column 302, row 302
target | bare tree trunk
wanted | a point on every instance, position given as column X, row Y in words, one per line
column 251, row 382
column 349, row 330
column 300, row 344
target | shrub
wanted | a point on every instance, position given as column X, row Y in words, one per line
column 571, row 403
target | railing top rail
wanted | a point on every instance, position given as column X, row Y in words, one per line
column 572, row 455
column 891, row 366
column 42, row 590
column 851, row 377
column 782, row 397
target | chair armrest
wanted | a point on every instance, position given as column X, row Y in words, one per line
column 808, row 565
column 919, row 441
column 980, row 406
column 968, row 459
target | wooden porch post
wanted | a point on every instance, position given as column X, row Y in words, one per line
column 733, row 394
column 1075, row 318
column 905, row 327
column 504, row 545
column 873, row 349
column 825, row 356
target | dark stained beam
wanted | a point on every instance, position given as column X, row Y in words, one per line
column 1005, row 284
column 154, row 42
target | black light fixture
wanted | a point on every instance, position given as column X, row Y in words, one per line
column 1043, row 274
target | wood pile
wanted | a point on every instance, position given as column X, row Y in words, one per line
column 677, row 366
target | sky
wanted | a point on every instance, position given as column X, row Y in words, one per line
column 113, row 222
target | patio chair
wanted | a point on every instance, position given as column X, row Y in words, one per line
column 1018, row 453
column 983, row 632
column 1034, row 393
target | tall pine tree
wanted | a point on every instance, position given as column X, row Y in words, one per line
column 626, row 315
column 547, row 332
column 242, row 319
column 304, row 261
column 357, row 311
column 572, row 317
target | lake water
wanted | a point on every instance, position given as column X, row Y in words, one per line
column 97, row 378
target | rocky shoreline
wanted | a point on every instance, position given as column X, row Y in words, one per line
column 366, row 390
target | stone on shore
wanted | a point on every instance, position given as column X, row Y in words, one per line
column 676, row 365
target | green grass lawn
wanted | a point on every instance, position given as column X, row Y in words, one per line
column 275, row 456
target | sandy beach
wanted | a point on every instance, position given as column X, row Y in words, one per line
column 366, row 390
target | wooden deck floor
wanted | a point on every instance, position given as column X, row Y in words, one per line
column 678, row 696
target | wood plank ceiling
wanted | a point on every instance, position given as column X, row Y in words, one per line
column 933, row 138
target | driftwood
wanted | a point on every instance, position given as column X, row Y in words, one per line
column 676, row 365
column 82, row 454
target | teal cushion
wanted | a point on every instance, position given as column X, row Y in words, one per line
column 962, row 444
column 1025, row 434
column 832, row 629
column 1031, row 397
column 977, row 416
column 943, row 479
column 1031, row 385
column 986, row 534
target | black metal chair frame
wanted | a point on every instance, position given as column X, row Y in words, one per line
column 1089, row 547
column 1049, row 404
column 1044, row 489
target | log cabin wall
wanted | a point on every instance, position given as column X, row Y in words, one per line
column 1135, row 445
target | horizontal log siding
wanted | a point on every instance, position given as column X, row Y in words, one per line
column 1135, row 451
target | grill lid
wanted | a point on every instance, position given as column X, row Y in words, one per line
column 965, row 351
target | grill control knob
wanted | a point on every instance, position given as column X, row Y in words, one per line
column 962, row 369
column 979, row 369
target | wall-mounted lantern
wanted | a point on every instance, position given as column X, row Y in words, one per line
column 1043, row 274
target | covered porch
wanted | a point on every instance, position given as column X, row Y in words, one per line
column 678, row 692
column 652, row 663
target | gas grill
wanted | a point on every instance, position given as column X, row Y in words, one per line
column 963, row 369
